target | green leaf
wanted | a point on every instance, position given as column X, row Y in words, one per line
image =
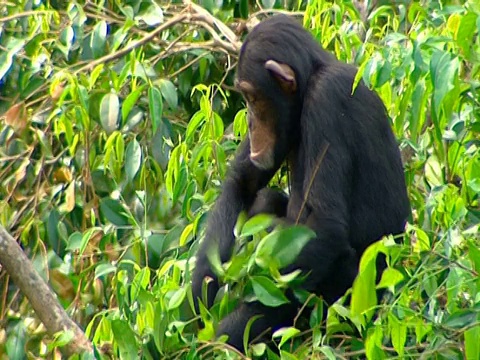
column 422, row 328
column 258, row 349
column 267, row 292
column 240, row 126
column 153, row 15
column 130, row 102
column 472, row 343
column 74, row 241
column 119, row 158
column 113, row 211
column 417, row 112
column 286, row 334
column 119, row 37
column 109, row 110
column 281, row 247
column 287, row 356
column 86, row 239
column 54, row 240
column 246, row 332
column 474, row 256
column 241, row 220
column 125, row 339
column 256, row 224
column 390, row 278
column 461, row 318
column 364, row 296
column 430, row 285
column 443, row 71
column 177, row 298
column 189, row 193
column 384, row 74
column 140, row 282
column 423, row 241
column 160, row 326
column 216, row 264
column 217, row 127
column 180, row 182
column 363, row 292
column 268, row 4
column 66, row 39
column 209, row 5
column 61, row 339
column 328, row 352
column 373, row 343
column 6, row 58
column 433, row 171
column 169, row 93
column 244, row 9
column 104, row 269
column 466, row 32
column 17, row 340
column 398, row 331
column 134, row 118
column 133, row 159
column 98, row 39
column 288, row 277
column 362, row 74
column 193, row 125
column 156, row 107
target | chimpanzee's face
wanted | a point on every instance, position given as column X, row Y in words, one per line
column 263, row 113
column 261, row 126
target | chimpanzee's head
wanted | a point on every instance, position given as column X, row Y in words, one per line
column 273, row 70
column 263, row 113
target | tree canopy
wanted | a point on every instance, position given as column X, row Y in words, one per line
column 117, row 124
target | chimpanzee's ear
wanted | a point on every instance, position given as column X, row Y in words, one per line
column 284, row 74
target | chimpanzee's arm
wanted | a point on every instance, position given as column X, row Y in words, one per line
column 240, row 188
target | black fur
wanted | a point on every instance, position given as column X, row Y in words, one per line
column 358, row 192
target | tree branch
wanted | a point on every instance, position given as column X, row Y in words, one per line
column 42, row 299
column 191, row 14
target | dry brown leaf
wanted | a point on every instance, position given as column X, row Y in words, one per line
column 70, row 197
column 21, row 172
column 16, row 117
column 62, row 284
column 57, row 91
column 111, row 252
column 63, row 175
column 92, row 246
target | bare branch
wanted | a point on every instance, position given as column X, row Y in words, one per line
column 204, row 16
column 42, row 299
column 107, row 58
column 192, row 14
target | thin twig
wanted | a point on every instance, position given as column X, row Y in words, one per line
column 230, row 47
column 455, row 262
column 204, row 16
column 25, row 14
column 304, row 305
column 107, row 58
column 187, row 65
column 177, row 40
column 209, row 45
column 317, row 167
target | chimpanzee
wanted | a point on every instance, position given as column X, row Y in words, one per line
column 345, row 171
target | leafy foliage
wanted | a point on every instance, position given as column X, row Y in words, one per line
column 113, row 148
